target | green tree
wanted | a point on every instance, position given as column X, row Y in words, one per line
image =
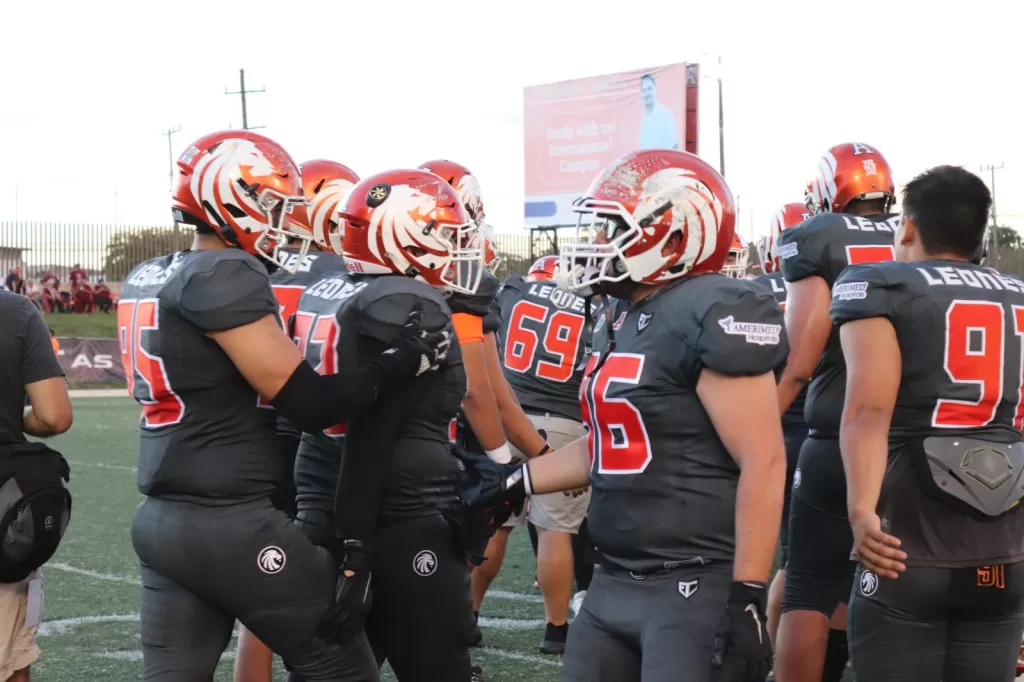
column 1009, row 237
column 130, row 246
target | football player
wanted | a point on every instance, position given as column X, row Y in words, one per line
column 738, row 258
column 492, row 418
column 851, row 194
column 201, row 341
column 931, row 444
column 794, row 430
column 684, row 450
column 544, row 337
column 369, row 506
column 325, row 184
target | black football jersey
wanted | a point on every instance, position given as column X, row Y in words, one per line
column 543, row 339
column 288, row 288
column 664, row 486
column 776, row 283
column 204, row 436
column 961, row 336
column 343, row 322
column 823, row 246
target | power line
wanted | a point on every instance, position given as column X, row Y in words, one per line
column 170, row 150
column 243, row 92
column 992, row 168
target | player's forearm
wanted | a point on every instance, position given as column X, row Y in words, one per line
column 758, row 514
column 34, row 426
column 481, row 410
column 789, row 388
column 864, row 444
column 567, row 468
column 313, row 402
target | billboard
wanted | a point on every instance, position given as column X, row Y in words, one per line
column 573, row 129
column 87, row 360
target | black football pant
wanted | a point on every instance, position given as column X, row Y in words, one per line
column 932, row 624
column 658, row 629
column 794, row 436
column 819, row 571
column 421, row 620
column 204, row 567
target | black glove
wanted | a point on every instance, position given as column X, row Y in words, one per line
column 352, row 597
column 497, row 490
column 415, row 351
column 743, row 652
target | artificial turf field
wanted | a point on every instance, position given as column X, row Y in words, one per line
column 90, row 627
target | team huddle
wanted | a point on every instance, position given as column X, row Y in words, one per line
column 344, row 413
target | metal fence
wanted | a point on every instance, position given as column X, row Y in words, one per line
column 111, row 251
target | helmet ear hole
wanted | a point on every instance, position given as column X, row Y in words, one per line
column 235, row 211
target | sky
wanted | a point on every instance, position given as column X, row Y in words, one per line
column 89, row 87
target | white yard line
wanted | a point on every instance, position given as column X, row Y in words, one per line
column 129, row 580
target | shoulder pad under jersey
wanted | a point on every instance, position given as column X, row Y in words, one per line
column 223, row 289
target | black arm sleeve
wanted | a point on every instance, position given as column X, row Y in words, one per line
column 370, row 443
column 312, row 402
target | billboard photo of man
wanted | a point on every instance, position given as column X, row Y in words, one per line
column 658, row 130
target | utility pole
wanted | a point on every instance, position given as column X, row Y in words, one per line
column 992, row 168
column 170, row 150
column 243, row 92
column 721, row 123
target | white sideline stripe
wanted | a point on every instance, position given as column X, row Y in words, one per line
column 228, row 655
column 101, row 465
column 60, row 627
column 515, row 656
column 511, row 623
column 128, row 580
column 516, row 596
column 109, row 577
column 98, row 393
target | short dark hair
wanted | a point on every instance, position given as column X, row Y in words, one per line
column 950, row 206
column 648, row 77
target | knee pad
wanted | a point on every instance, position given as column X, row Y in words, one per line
column 836, row 656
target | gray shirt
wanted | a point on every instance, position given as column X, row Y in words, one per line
column 27, row 357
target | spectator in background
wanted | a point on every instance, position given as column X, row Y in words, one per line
column 658, row 130
column 77, row 276
column 34, row 292
column 31, row 370
column 15, row 282
column 101, row 297
column 54, row 342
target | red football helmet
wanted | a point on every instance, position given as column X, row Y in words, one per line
column 789, row 215
column 544, row 269
column 739, row 255
column 635, row 205
column 242, row 186
column 464, row 182
column 407, row 222
column 847, row 172
column 326, row 185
